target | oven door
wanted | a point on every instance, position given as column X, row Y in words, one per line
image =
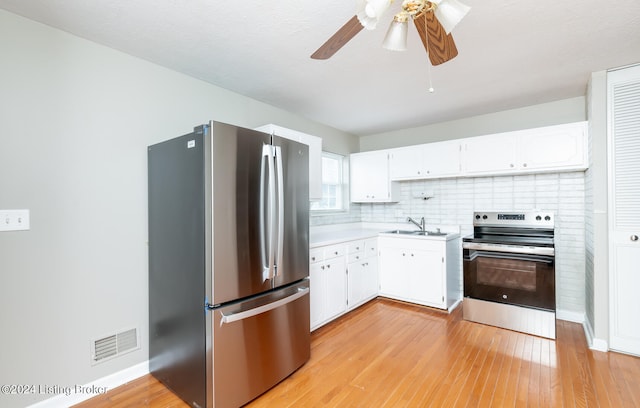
column 512, row 278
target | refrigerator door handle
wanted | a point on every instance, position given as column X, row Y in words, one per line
column 280, row 241
column 234, row 317
column 267, row 227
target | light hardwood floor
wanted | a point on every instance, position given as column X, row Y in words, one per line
column 391, row 354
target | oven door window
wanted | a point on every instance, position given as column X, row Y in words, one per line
column 507, row 273
column 524, row 280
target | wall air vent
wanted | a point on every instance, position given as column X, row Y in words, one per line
column 114, row 345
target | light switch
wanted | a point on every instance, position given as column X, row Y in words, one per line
column 14, row 220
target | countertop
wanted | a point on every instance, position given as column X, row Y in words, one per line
column 337, row 233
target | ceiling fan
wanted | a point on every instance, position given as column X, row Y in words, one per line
column 434, row 20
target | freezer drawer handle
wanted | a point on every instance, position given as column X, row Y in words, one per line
column 234, row 317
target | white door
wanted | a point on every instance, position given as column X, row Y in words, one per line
column 624, row 209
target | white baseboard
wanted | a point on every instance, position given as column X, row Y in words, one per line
column 575, row 317
column 75, row 394
column 594, row 343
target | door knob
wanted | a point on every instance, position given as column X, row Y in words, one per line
column 634, row 238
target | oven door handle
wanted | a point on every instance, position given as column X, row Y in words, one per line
column 518, row 257
column 510, row 249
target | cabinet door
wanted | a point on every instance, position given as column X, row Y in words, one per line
column 490, row 154
column 317, row 293
column 426, row 277
column 393, row 272
column 336, row 287
column 554, row 148
column 406, row 163
column 442, row 159
column 370, row 177
column 362, row 281
column 356, row 282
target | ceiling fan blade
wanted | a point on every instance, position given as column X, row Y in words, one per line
column 339, row 39
column 439, row 45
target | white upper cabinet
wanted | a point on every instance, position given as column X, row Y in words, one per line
column 432, row 160
column 315, row 155
column 552, row 148
column 406, row 163
column 490, row 154
column 442, row 159
column 370, row 181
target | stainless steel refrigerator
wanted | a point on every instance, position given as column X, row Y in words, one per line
column 228, row 263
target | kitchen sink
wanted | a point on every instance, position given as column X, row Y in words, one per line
column 414, row 232
column 401, row 232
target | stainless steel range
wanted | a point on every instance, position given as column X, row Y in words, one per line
column 509, row 271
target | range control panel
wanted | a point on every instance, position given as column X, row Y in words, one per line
column 533, row 218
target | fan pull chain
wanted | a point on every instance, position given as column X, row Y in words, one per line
column 431, row 90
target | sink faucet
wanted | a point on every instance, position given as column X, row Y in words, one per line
column 414, row 222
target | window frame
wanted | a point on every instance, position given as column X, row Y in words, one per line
column 343, row 186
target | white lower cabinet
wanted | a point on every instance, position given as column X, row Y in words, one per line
column 421, row 271
column 328, row 284
column 343, row 277
column 362, row 272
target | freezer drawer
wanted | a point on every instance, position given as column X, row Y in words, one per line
column 258, row 343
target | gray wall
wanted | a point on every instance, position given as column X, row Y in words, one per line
column 547, row 114
column 75, row 121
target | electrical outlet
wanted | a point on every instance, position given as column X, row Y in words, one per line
column 14, row 220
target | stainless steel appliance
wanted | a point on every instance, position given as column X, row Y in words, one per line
column 509, row 271
column 228, row 263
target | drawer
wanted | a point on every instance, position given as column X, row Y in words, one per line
column 355, row 246
column 316, row 255
column 358, row 256
column 333, row 251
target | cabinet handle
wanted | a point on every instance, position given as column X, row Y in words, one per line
column 329, row 266
column 634, row 238
column 322, row 267
column 511, row 165
column 524, row 164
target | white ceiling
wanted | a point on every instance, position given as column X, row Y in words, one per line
column 511, row 53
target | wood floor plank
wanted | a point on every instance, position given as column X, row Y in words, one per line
column 392, row 354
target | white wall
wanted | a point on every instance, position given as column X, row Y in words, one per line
column 75, row 121
column 597, row 230
column 547, row 114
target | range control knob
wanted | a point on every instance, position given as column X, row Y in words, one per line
column 477, row 216
column 547, row 218
column 538, row 218
column 484, row 217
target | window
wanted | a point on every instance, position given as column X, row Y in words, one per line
column 334, row 185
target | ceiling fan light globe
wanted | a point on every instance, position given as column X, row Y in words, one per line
column 369, row 12
column 396, row 37
column 450, row 12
